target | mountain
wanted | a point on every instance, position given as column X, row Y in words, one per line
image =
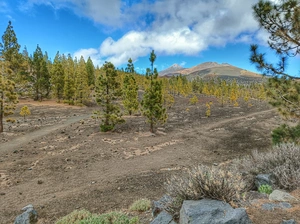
column 174, row 69
column 212, row 70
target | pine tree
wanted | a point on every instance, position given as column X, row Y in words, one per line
column 57, row 77
column 9, row 50
column 69, row 80
column 152, row 103
column 281, row 21
column 90, row 68
column 107, row 93
column 130, row 67
column 82, row 90
column 41, row 75
column 130, row 90
column 25, row 111
column 8, row 96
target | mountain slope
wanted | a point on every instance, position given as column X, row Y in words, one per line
column 212, row 70
column 174, row 69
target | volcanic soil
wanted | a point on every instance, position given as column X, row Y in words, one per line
column 57, row 159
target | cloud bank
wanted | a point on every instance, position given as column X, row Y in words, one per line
column 168, row 26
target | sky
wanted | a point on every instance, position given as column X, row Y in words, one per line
column 185, row 32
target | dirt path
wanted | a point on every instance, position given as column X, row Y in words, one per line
column 223, row 122
column 27, row 137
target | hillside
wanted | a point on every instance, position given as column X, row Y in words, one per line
column 212, row 70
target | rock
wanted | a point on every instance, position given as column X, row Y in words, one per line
column 263, row 179
column 272, row 206
column 278, row 195
column 29, row 216
column 159, row 205
column 291, row 221
column 213, row 212
column 163, row 218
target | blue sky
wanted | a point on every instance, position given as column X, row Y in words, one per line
column 186, row 32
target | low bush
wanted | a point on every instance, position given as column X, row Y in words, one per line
column 75, row 217
column 85, row 217
column 265, row 188
column 204, row 182
column 110, row 218
column 283, row 162
column 141, row 205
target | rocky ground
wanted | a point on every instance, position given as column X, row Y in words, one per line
column 57, row 160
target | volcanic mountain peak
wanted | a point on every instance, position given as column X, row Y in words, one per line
column 172, row 69
column 210, row 70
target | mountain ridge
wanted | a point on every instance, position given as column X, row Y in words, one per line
column 210, row 70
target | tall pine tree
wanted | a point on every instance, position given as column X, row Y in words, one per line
column 107, row 93
column 57, row 77
column 69, row 80
column 9, row 50
column 8, row 96
column 82, row 90
column 41, row 75
column 152, row 103
column 130, row 90
column 90, row 68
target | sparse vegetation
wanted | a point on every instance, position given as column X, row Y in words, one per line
column 283, row 162
column 194, row 100
column 141, row 205
column 85, row 217
column 285, row 134
column 75, row 217
column 204, row 182
column 265, row 188
column 25, row 111
column 208, row 109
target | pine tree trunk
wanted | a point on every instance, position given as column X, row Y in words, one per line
column 151, row 126
column 1, row 114
column 1, row 122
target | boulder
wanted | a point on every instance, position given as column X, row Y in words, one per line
column 272, row 206
column 263, row 179
column 278, row 195
column 291, row 221
column 163, row 218
column 159, row 205
column 29, row 216
column 213, row 212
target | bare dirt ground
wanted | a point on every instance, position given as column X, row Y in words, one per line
column 59, row 161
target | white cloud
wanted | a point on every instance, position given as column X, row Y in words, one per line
column 92, row 53
column 168, row 26
column 106, row 12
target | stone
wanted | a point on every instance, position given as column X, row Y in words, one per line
column 263, row 179
column 213, row 212
column 291, row 221
column 163, row 218
column 272, row 206
column 278, row 195
column 29, row 216
column 159, row 205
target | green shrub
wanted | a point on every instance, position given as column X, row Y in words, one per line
column 283, row 162
column 75, row 217
column 194, row 100
column 141, row 205
column 110, row 218
column 203, row 182
column 106, row 128
column 265, row 188
column 85, row 217
column 285, row 134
